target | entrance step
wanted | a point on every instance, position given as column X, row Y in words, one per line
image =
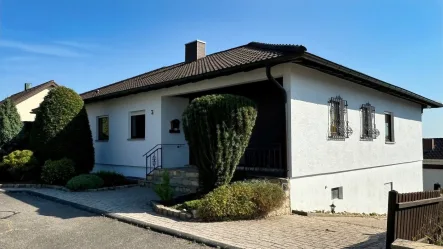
column 183, row 180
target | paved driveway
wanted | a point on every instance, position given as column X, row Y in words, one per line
column 27, row 221
column 290, row 231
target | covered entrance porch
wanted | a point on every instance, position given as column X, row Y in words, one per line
column 266, row 153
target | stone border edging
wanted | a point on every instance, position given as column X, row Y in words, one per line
column 129, row 220
column 171, row 212
column 312, row 214
column 21, row 185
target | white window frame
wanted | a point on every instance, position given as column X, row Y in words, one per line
column 135, row 113
column 392, row 127
column 98, row 128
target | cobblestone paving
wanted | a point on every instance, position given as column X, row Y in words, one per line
column 278, row 232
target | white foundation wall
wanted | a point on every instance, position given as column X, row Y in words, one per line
column 126, row 156
column 364, row 191
column 361, row 167
column 25, row 107
column 432, row 176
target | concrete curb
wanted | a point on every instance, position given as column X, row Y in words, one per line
column 128, row 220
column 19, row 185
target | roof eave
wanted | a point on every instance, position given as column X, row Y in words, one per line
column 368, row 81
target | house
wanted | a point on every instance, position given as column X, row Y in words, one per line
column 30, row 98
column 432, row 162
column 339, row 136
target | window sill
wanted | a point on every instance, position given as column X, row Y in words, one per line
column 136, row 139
column 102, row 141
column 388, row 142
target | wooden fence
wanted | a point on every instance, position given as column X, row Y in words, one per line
column 411, row 215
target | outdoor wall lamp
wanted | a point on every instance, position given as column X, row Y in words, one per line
column 332, row 208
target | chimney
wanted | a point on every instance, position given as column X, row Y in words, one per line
column 195, row 50
column 428, row 144
column 27, row 86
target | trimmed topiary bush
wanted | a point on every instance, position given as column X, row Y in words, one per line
column 85, row 181
column 111, row 178
column 22, row 164
column 61, row 129
column 218, row 129
column 240, row 200
column 10, row 124
column 58, row 172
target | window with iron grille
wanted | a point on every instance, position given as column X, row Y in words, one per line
column 338, row 119
column 369, row 130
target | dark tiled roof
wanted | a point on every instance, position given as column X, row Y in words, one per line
column 437, row 152
column 247, row 55
column 23, row 95
column 244, row 58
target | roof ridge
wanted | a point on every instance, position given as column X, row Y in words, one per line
column 280, row 47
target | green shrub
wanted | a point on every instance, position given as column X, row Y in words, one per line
column 85, row 181
column 61, row 129
column 22, row 164
column 111, row 178
column 218, row 129
column 58, row 172
column 241, row 200
column 190, row 205
column 164, row 189
column 10, row 123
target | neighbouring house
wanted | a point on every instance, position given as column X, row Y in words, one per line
column 339, row 136
column 432, row 162
column 30, row 98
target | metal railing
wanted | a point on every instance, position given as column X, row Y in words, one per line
column 263, row 159
column 154, row 157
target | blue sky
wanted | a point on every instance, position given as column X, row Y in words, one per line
column 86, row 44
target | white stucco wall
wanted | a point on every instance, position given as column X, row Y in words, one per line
column 315, row 164
column 361, row 167
column 432, row 176
column 125, row 156
column 172, row 108
column 25, row 107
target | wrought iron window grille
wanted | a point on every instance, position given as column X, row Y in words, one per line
column 339, row 128
column 369, row 130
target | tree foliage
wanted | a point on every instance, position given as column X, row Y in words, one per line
column 218, row 129
column 61, row 129
column 10, row 123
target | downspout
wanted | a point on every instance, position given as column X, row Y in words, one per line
column 285, row 96
column 273, row 80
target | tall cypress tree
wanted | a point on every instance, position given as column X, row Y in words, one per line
column 10, row 123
